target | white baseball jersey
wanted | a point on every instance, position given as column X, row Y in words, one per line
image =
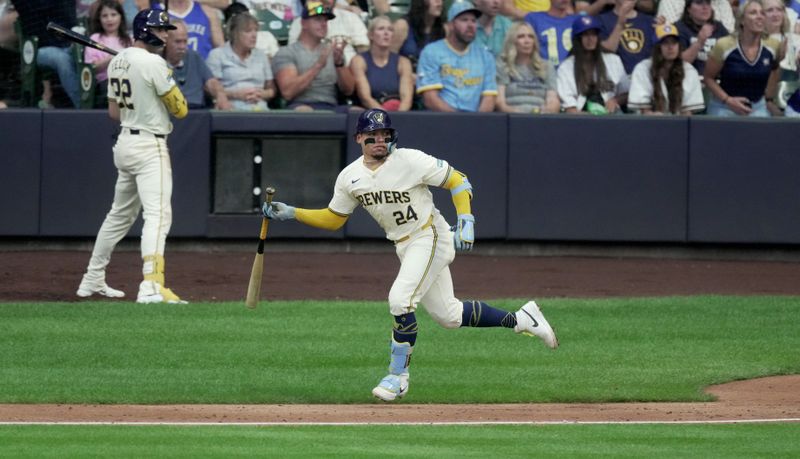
column 396, row 194
column 134, row 75
column 641, row 91
column 568, row 89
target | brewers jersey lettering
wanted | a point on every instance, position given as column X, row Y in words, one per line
column 396, row 194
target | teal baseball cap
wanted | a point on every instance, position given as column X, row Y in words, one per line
column 458, row 8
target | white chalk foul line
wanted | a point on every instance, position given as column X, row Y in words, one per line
column 433, row 423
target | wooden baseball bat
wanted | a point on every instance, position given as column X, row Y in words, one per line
column 256, row 274
column 68, row 34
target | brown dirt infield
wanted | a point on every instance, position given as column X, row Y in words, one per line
column 222, row 276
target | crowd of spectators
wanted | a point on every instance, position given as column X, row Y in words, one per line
column 721, row 57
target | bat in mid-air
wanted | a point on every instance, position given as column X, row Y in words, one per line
column 254, row 286
column 75, row 37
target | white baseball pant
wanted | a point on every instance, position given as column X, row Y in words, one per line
column 144, row 180
column 424, row 275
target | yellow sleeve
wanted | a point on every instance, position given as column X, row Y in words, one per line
column 175, row 102
column 461, row 189
column 320, row 218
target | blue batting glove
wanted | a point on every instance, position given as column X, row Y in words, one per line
column 464, row 233
column 278, row 211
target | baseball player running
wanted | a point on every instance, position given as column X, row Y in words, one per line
column 141, row 95
column 392, row 185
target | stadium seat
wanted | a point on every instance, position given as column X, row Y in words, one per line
column 270, row 22
column 397, row 9
column 31, row 76
column 787, row 86
column 88, row 82
column 31, row 85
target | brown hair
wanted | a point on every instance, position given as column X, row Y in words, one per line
column 96, row 25
column 589, row 64
column 674, row 82
column 416, row 22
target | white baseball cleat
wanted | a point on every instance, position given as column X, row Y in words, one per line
column 153, row 292
column 89, row 288
column 531, row 322
column 391, row 387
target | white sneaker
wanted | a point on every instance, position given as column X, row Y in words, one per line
column 153, row 292
column 531, row 322
column 89, row 288
column 391, row 387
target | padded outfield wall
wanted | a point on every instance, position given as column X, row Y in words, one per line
column 536, row 178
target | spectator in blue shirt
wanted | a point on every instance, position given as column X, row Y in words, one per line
column 453, row 74
column 554, row 30
column 628, row 33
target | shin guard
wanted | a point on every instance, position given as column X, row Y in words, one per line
column 405, row 329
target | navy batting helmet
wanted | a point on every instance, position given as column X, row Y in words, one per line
column 145, row 21
column 372, row 120
column 375, row 119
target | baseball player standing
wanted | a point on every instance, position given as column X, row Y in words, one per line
column 141, row 95
column 392, row 185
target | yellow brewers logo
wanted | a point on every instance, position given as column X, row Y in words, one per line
column 378, row 117
column 459, row 76
column 163, row 17
column 632, row 40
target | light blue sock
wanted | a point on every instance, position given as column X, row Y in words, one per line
column 404, row 336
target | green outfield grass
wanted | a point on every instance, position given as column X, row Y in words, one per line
column 440, row 442
column 639, row 349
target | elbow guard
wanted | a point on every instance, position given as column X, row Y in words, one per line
column 175, row 102
column 464, row 186
column 457, row 183
column 461, row 191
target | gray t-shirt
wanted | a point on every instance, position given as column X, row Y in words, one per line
column 323, row 87
column 528, row 92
